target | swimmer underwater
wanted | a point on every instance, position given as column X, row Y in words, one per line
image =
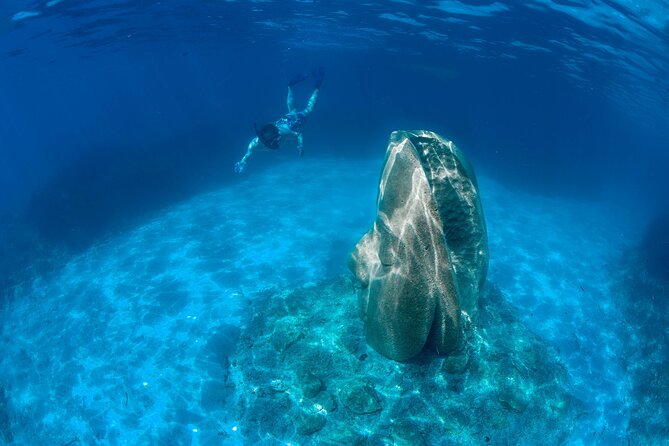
column 289, row 126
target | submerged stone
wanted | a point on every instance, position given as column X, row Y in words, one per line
column 271, row 413
column 285, row 334
column 344, row 438
column 456, row 364
column 325, row 401
column 387, row 401
column 309, row 421
column 361, row 398
column 277, row 386
column 311, row 385
column 407, row 433
column 423, row 263
column 513, row 398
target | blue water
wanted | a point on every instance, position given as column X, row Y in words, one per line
column 131, row 250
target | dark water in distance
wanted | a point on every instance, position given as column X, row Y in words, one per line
column 558, row 98
column 100, row 97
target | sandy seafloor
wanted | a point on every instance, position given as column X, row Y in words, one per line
column 114, row 346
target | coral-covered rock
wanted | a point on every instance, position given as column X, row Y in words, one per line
column 504, row 382
column 361, row 398
column 311, row 385
column 456, row 364
column 309, row 421
column 286, row 333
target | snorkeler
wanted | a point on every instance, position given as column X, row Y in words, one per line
column 289, row 126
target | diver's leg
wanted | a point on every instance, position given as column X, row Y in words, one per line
column 240, row 165
column 290, row 101
column 311, row 103
column 300, row 145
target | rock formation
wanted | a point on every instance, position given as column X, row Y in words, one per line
column 422, row 265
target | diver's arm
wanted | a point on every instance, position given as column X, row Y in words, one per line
column 300, row 144
column 239, row 166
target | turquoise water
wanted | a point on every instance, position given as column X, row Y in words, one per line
column 151, row 295
column 133, row 340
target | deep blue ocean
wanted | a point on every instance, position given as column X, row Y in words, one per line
column 150, row 294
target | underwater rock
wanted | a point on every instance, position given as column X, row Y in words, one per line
column 425, row 260
column 285, row 334
column 395, row 400
column 456, row 364
column 311, row 385
column 272, row 413
column 325, row 401
column 407, row 433
column 277, row 386
column 309, row 421
column 513, row 398
column 361, row 398
column 347, row 438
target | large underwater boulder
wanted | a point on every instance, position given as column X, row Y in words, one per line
column 422, row 265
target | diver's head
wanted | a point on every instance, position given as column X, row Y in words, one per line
column 269, row 135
